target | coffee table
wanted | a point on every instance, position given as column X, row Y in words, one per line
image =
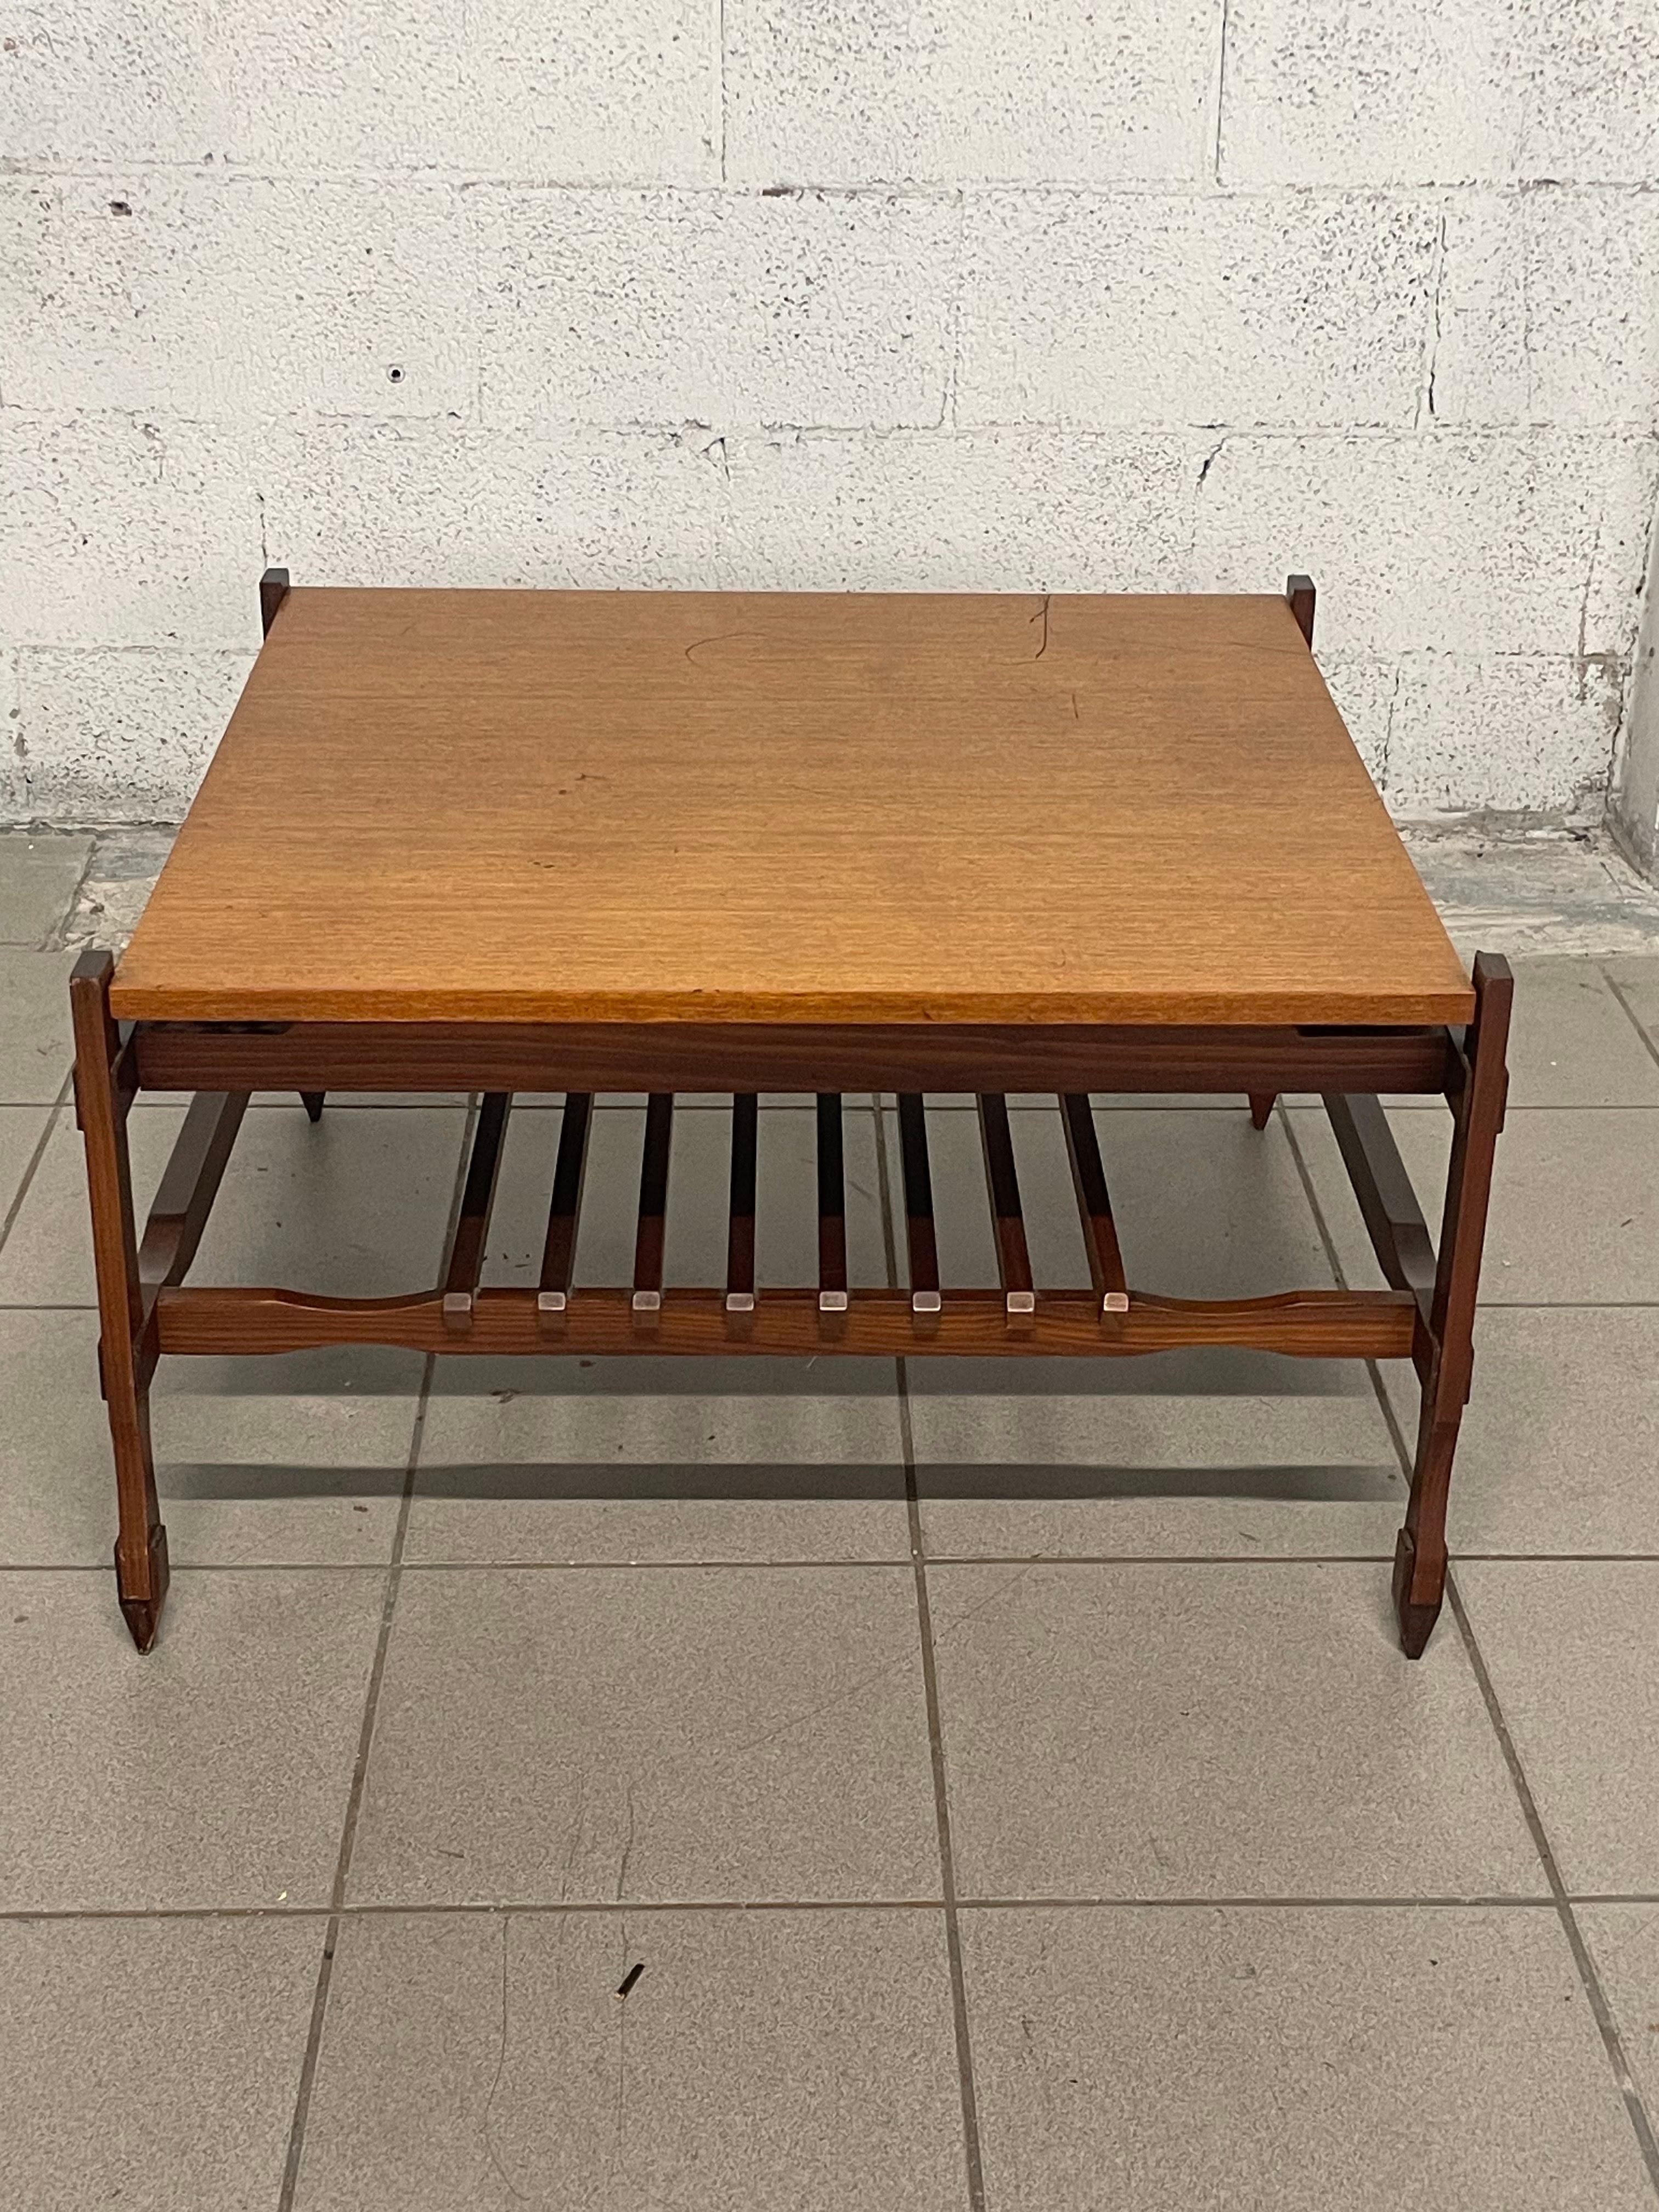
column 582, row 842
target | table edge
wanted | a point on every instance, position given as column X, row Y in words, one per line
column 1407, row 1008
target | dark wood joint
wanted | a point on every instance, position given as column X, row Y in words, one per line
column 1299, row 591
column 273, row 590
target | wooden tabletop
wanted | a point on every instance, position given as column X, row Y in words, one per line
column 664, row 806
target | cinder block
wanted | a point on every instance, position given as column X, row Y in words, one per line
column 668, row 307
column 859, row 91
column 1525, row 733
column 993, row 511
column 104, row 80
column 1363, row 689
column 1455, row 541
column 626, row 93
column 1144, row 310
column 1549, row 310
column 1478, row 369
column 123, row 736
column 115, row 531
column 234, row 297
column 1582, row 78
column 1346, row 92
column 354, row 503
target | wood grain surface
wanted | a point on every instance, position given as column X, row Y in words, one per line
column 549, row 806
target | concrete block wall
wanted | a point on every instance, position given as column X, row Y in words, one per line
column 1092, row 295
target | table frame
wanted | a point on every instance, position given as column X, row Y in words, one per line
column 1427, row 1316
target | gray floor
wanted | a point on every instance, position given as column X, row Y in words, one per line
column 1005, row 1779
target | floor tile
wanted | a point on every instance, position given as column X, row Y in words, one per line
column 214, row 1771
column 564, row 1459
column 296, row 1460
column 1307, row 2060
column 606, row 1735
column 47, row 1258
column 352, row 1206
column 1574, row 1205
column 151, row 2063
column 1570, row 1649
column 19, row 1132
column 1228, row 1453
column 1638, row 980
column 803, row 2059
column 1624, row 1944
column 1212, row 1731
column 35, row 1050
column 119, row 878
column 1570, row 1042
column 1561, row 1437
column 37, row 876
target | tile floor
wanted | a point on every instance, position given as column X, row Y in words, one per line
column 1003, row 1783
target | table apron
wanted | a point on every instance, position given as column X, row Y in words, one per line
column 740, row 1057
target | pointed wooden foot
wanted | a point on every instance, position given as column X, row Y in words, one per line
column 140, row 1608
column 1417, row 1611
column 1262, row 1105
column 313, row 1103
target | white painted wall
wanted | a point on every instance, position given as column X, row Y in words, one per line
column 1076, row 295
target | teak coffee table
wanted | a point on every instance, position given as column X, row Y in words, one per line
column 569, row 842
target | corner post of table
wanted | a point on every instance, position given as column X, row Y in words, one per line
column 1299, row 592
column 101, row 1102
column 273, row 590
column 1448, row 1365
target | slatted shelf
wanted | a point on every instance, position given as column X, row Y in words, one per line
column 1016, row 1316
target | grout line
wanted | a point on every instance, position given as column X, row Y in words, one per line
column 871, row 1565
column 57, row 940
column 1570, row 1927
column 971, row 2139
column 553, row 1909
column 53, row 1113
column 1617, row 989
column 371, row 1702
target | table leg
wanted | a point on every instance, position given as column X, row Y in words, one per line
column 1261, row 1106
column 141, row 1547
column 1447, row 1360
column 313, row 1103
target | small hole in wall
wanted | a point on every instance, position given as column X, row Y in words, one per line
column 120, row 207
column 396, row 374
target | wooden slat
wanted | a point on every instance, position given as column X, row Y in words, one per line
column 740, row 1231
column 1309, row 1324
column 918, row 1203
column 564, row 1209
column 466, row 1246
column 832, row 1206
column 1002, row 1182
column 649, row 1238
column 1094, row 1203
column 189, row 1183
column 1398, row 1234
